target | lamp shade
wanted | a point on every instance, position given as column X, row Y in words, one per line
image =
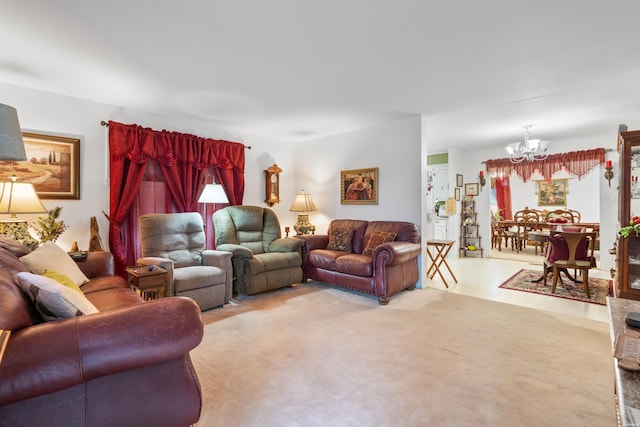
column 213, row 193
column 19, row 198
column 11, row 142
column 303, row 203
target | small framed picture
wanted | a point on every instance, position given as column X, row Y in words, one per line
column 459, row 180
column 471, row 189
column 456, row 191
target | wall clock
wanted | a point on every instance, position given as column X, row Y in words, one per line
column 272, row 185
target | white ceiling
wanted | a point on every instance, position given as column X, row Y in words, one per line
column 300, row 69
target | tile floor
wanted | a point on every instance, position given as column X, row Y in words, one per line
column 480, row 277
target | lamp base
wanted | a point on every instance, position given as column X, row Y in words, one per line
column 18, row 229
column 303, row 226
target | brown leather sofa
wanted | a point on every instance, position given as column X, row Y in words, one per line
column 127, row 365
column 347, row 256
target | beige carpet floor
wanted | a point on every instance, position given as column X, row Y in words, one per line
column 315, row 355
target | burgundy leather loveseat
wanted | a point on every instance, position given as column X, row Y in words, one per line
column 377, row 257
column 127, row 365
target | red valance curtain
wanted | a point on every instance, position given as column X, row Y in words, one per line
column 182, row 159
column 578, row 163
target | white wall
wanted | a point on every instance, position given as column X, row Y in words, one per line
column 61, row 115
column 393, row 147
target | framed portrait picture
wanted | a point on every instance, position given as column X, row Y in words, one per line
column 456, row 192
column 359, row 187
column 52, row 166
column 552, row 192
column 471, row 189
column 459, row 180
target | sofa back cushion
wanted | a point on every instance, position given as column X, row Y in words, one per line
column 358, row 228
column 177, row 236
column 16, row 311
column 253, row 227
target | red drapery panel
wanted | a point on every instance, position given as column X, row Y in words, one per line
column 182, row 159
column 578, row 163
column 503, row 197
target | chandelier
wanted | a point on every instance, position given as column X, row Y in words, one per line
column 530, row 150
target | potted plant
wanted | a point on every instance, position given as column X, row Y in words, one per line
column 48, row 227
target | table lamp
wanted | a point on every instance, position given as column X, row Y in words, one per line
column 303, row 204
column 19, row 198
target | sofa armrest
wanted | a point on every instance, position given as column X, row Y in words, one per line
column 215, row 258
column 392, row 253
column 236, row 250
column 314, row 241
column 286, row 244
column 97, row 264
column 56, row 355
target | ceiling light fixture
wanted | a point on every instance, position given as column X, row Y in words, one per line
column 530, row 150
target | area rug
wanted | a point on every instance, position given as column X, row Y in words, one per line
column 523, row 280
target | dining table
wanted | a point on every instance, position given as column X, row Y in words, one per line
column 507, row 224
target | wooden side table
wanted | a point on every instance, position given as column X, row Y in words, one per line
column 149, row 280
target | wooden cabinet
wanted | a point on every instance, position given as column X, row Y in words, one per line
column 628, row 249
column 470, row 240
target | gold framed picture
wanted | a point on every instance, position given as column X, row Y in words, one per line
column 52, row 166
column 552, row 192
column 359, row 187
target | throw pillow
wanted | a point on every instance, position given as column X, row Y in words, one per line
column 50, row 256
column 53, row 300
column 560, row 249
column 340, row 239
column 63, row 279
column 377, row 238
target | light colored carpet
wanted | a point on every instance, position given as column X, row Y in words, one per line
column 314, row 355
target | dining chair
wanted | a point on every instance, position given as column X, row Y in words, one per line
column 526, row 220
column 560, row 216
column 571, row 251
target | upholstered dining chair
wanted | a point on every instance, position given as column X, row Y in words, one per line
column 177, row 243
column 262, row 259
column 571, row 251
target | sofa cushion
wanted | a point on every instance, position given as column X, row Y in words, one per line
column 340, row 239
column 355, row 264
column 324, row 259
column 50, row 256
column 52, row 299
column 377, row 238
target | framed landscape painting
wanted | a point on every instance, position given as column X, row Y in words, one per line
column 359, row 187
column 52, row 166
column 552, row 192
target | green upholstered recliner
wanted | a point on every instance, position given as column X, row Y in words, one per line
column 262, row 259
column 176, row 242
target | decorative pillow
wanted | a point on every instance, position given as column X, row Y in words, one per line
column 53, row 300
column 62, row 279
column 560, row 249
column 340, row 239
column 377, row 238
column 50, row 256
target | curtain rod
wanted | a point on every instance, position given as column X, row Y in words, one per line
column 106, row 124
